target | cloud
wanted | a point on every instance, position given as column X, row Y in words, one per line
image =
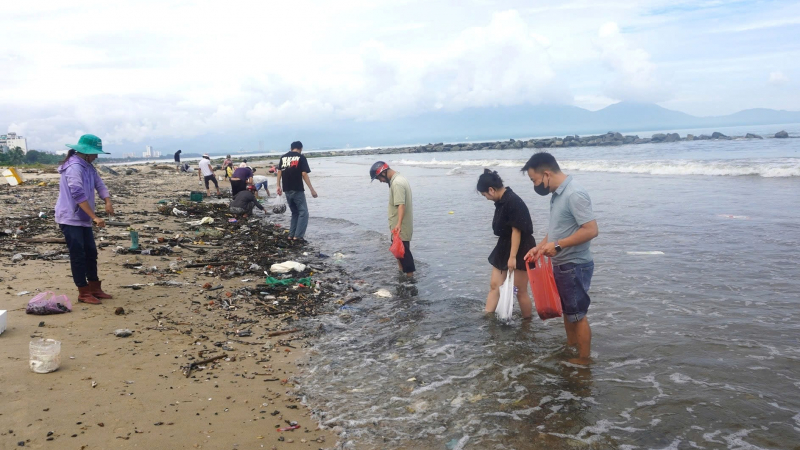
column 634, row 75
column 778, row 78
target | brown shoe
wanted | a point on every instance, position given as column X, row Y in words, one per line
column 97, row 291
column 85, row 296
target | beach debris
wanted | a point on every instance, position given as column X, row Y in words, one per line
column 178, row 212
column 48, row 302
column 13, row 176
column 119, row 311
column 123, row 332
column 204, row 221
column 290, row 428
column 20, row 294
column 3, row 320
column 286, row 267
column 188, row 369
column 383, row 293
column 45, row 355
column 94, row 384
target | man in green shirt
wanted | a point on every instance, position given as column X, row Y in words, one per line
column 401, row 210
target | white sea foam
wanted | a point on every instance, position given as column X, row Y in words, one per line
column 768, row 168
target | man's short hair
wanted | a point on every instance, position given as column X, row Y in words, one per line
column 297, row 145
column 542, row 161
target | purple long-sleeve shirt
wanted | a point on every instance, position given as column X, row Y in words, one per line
column 79, row 180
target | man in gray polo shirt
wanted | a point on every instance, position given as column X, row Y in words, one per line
column 571, row 230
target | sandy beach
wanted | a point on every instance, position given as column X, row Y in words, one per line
column 132, row 392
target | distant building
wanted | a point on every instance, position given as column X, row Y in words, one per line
column 11, row 140
column 150, row 153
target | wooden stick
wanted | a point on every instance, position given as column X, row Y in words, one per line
column 281, row 333
column 223, row 263
column 44, row 240
column 200, row 363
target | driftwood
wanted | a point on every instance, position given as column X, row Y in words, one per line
column 192, row 366
column 223, row 263
column 44, row 240
column 281, row 333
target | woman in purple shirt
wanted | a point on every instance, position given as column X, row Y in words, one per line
column 75, row 214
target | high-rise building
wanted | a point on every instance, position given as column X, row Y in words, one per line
column 11, row 140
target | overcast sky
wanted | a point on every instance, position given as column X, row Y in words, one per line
column 153, row 70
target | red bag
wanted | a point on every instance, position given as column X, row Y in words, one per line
column 397, row 248
column 543, row 286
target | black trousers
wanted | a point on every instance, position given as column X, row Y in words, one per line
column 237, row 186
column 82, row 253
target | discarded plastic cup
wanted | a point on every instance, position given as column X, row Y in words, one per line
column 45, row 355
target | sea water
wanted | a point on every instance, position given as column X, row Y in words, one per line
column 695, row 305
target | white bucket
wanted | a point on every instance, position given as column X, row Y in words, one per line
column 3, row 315
column 45, row 355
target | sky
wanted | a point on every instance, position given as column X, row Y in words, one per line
column 150, row 72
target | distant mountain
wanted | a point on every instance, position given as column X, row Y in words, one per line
column 477, row 124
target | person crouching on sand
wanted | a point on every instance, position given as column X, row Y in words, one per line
column 75, row 213
column 513, row 225
column 244, row 202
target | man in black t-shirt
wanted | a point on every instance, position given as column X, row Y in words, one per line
column 178, row 161
column 292, row 172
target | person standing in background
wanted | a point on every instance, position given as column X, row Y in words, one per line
column 226, row 164
column 401, row 211
column 178, row 161
column 292, row 172
column 75, row 213
column 206, row 174
column 513, row 227
column 569, row 235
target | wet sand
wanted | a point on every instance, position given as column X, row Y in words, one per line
column 113, row 392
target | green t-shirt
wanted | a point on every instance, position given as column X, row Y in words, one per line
column 400, row 194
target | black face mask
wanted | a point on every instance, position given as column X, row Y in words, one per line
column 540, row 189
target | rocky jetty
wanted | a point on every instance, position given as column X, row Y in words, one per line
column 609, row 139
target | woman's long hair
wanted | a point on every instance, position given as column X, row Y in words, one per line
column 69, row 155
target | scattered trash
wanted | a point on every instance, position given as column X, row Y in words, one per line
column 3, row 320
column 203, row 221
column 45, row 355
column 123, row 332
column 48, row 302
column 17, row 257
column 383, row 293
column 20, row 294
column 270, row 281
column 13, row 176
column 134, row 240
column 94, row 384
column 120, row 311
column 178, row 212
column 287, row 266
column 291, row 428
column 232, row 220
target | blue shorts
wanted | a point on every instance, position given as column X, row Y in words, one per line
column 573, row 281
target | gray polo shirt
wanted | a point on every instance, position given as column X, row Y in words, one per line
column 570, row 207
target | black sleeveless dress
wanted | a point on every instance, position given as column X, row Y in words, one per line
column 511, row 212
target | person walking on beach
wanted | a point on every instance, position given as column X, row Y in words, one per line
column 241, row 178
column 570, row 232
column 292, row 172
column 401, row 211
column 513, row 227
column 74, row 214
column 206, row 174
column 244, row 202
column 178, row 161
column 226, row 164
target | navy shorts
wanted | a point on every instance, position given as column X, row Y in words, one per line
column 573, row 281
column 408, row 260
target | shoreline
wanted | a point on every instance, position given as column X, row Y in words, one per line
column 192, row 295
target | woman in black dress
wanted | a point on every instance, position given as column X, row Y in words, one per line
column 513, row 225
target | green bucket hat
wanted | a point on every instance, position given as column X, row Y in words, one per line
column 89, row 144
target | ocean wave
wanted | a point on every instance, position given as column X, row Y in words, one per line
column 768, row 168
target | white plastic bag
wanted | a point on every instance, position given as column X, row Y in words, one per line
column 506, row 304
column 287, row 266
